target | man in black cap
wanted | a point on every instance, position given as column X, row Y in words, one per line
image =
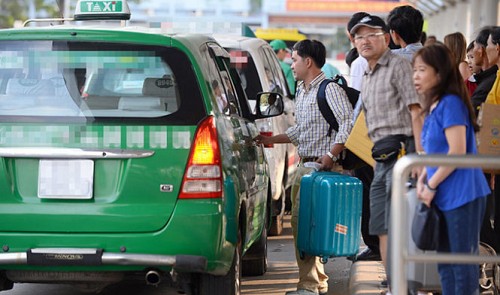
column 392, row 111
column 357, row 67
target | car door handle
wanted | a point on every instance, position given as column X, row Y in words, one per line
column 247, row 143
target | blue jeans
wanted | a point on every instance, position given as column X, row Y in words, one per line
column 463, row 225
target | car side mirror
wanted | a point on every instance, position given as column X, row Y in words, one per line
column 269, row 104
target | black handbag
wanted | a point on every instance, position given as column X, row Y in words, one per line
column 426, row 227
column 388, row 148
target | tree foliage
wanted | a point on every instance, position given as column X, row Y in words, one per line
column 10, row 11
column 18, row 10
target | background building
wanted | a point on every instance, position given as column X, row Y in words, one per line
column 324, row 20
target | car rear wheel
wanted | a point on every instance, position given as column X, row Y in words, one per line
column 277, row 218
column 229, row 284
column 257, row 265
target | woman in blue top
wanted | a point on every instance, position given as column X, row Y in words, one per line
column 460, row 193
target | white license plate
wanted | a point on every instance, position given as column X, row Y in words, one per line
column 65, row 179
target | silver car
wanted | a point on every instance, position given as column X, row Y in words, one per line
column 260, row 71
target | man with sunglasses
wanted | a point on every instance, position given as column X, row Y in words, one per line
column 392, row 109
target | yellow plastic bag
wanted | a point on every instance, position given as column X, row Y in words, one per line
column 494, row 94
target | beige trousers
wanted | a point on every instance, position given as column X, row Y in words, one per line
column 312, row 274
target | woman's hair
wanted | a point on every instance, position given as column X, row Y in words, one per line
column 439, row 57
column 470, row 46
column 482, row 36
column 495, row 35
column 457, row 44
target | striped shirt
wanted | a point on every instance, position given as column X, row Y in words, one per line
column 387, row 93
column 309, row 133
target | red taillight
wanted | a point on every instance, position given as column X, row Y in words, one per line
column 203, row 176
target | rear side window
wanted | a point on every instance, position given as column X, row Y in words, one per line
column 273, row 70
column 98, row 81
column 244, row 64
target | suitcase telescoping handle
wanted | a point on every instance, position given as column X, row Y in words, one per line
column 313, row 165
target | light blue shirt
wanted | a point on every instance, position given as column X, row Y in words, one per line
column 330, row 71
column 408, row 51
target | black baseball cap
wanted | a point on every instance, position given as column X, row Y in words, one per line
column 371, row 21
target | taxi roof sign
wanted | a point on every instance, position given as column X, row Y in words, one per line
column 102, row 10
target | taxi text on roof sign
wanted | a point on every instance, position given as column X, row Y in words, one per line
column 94, row 10
column 101, row 6
column 99, row 10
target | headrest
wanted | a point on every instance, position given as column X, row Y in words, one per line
column 139, row 104
column 30, row 86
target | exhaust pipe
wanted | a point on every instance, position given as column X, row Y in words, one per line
column 153, row 278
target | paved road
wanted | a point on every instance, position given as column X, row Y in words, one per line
column 282, row 273
column 281, row 276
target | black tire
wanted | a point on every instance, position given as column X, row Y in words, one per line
column 229, row 284
column 278, row 215
column 276, row 225
column 256, row 264
column 288, row 200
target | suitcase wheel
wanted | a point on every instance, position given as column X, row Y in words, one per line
column 323, row 259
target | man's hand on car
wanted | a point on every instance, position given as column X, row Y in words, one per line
column 263, row 139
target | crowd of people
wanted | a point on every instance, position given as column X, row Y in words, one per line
column 419, row 95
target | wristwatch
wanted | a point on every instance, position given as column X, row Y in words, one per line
column 332, row 156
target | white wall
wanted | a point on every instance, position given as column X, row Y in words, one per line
column 467, row 17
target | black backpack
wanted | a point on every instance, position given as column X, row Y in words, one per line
column 348, row 160
column 324, row 108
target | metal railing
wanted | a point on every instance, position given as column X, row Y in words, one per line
column 399, row 218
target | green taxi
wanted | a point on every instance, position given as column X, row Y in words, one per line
column 126, row 151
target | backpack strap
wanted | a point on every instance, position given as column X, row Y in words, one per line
column 352, row 94
column 339, row 79
column 324, row 108
column 326, row 111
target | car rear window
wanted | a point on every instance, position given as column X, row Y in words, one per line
column 99, row 81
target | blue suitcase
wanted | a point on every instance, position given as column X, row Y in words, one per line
column 329, row 222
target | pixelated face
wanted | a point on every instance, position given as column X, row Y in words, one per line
column 239, row 59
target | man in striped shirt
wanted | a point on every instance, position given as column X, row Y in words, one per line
column 310, row 135
column 392, row 110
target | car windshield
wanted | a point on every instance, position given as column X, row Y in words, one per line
column 93, row 80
